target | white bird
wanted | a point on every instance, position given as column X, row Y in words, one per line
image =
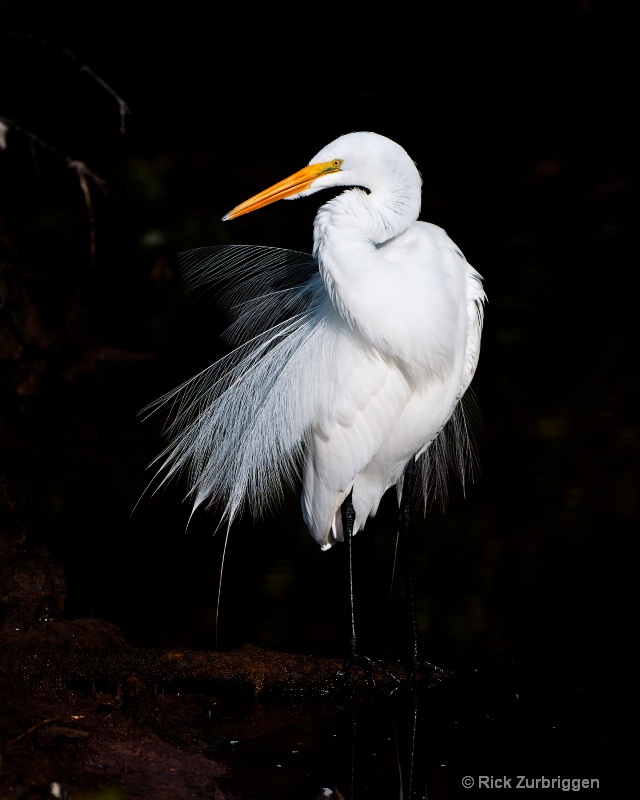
column 348, row 363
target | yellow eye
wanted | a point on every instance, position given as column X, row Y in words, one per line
column 330, row 166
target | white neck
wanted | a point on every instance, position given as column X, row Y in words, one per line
column 371, row 218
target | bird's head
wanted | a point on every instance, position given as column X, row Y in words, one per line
column 355, row 159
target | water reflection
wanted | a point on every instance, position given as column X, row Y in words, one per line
column 383, row 748
column 427, row 744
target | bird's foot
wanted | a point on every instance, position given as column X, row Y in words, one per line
column 371, row 668
column 428, row 674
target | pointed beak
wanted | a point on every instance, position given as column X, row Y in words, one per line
column 294, row 184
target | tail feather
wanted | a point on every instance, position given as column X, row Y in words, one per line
column 238, row 428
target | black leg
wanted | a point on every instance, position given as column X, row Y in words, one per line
column 415, row 665
column 405, row 536
column 354, row 657
column 348, row 518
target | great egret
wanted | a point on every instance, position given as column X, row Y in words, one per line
column 348, row 363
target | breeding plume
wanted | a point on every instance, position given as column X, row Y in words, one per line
column 348, row 363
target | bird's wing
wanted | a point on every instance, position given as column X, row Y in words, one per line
column 454, row 449
column 476, row 299
column 364, row 395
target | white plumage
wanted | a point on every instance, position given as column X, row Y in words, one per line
column 347, row 363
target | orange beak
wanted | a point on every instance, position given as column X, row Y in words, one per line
column 295, row 183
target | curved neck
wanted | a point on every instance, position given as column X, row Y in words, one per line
column 371, row 218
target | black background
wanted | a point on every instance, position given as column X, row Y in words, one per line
column 521, row 119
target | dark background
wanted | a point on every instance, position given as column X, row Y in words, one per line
column 521, row 119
